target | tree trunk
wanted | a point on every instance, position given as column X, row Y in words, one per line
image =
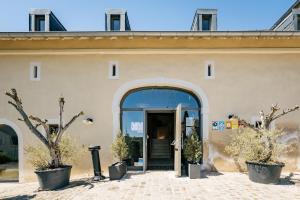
column 55, row 156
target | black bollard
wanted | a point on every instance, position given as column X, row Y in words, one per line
column 96, row 163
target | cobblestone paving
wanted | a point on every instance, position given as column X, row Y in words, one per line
column 161, row 185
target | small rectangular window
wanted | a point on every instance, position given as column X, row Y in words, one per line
column 40, row 23
column 113, row 70
column 206, row 22
column 115, row 23
column 298, row 22
column 35, row 71
column 209, row 70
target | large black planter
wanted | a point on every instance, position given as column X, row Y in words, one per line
column 52, row 179
column 117, row 170
column 264, row 173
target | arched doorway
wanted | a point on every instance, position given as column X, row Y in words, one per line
column 9, row 154
column 148, row 117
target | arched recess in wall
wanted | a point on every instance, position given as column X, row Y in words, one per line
column 160, row 82
column 11, row 129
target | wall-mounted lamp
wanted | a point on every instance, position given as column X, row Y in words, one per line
column 88, row 121
column 231, row 116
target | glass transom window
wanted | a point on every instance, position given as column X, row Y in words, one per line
column 159, row 98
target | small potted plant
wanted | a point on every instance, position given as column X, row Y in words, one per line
column 259, row 146
column 53, row 173
column 192, row 151
column 120, row 152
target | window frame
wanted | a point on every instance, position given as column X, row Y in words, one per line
column 115, row 18
column 114, row 71
column 37, row 25
column 209, row 65
column 207, row 17
column 33, row 66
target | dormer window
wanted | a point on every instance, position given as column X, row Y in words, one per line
column 115, row 22
column 39, row 23
column 44, row 20
column 205, row 20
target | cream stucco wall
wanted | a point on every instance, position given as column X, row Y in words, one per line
column 244, row 84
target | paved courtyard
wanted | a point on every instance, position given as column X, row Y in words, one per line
column 162, row 185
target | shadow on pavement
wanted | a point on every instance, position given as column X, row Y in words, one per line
column 291, row 179
column 87, row 182
column 20, row 197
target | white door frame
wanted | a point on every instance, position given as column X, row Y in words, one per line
column 20, row 146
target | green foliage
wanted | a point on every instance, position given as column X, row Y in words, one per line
column 120, row 147
column 38, row 156
column 192, row 148
column 69, row 149
column 4, row 158
column 262, row 147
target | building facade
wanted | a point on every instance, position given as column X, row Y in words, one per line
column 149, row 85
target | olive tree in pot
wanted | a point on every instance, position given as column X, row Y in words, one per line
column 259, row 146
column 192, row 151
column 120, row 152
column 53, row 174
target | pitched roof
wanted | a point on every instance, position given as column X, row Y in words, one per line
column 296, row 4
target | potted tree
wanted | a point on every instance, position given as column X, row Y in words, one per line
column 120, row 152
column 259, row 146
column 54, row 174
column 192, row 151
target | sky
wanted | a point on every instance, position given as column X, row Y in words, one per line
column 146, row 15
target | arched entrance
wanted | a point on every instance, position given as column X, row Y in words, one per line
column 11, row 152
column 149, row 106
column 9, row 158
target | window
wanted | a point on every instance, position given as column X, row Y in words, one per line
column 206, row 22
column 136, row 101
column 115, row 23
column 113, row 70
column 298, row 22
column 35, row 71
column 39, row 23
column 209, row 70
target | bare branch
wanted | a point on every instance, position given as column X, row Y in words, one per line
column 285, row 112
column 37, row 125
column 11, row 103
column 274, row 109
column 42, row 123
column 17, row 104
column 58, row 138
column 248, row 125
